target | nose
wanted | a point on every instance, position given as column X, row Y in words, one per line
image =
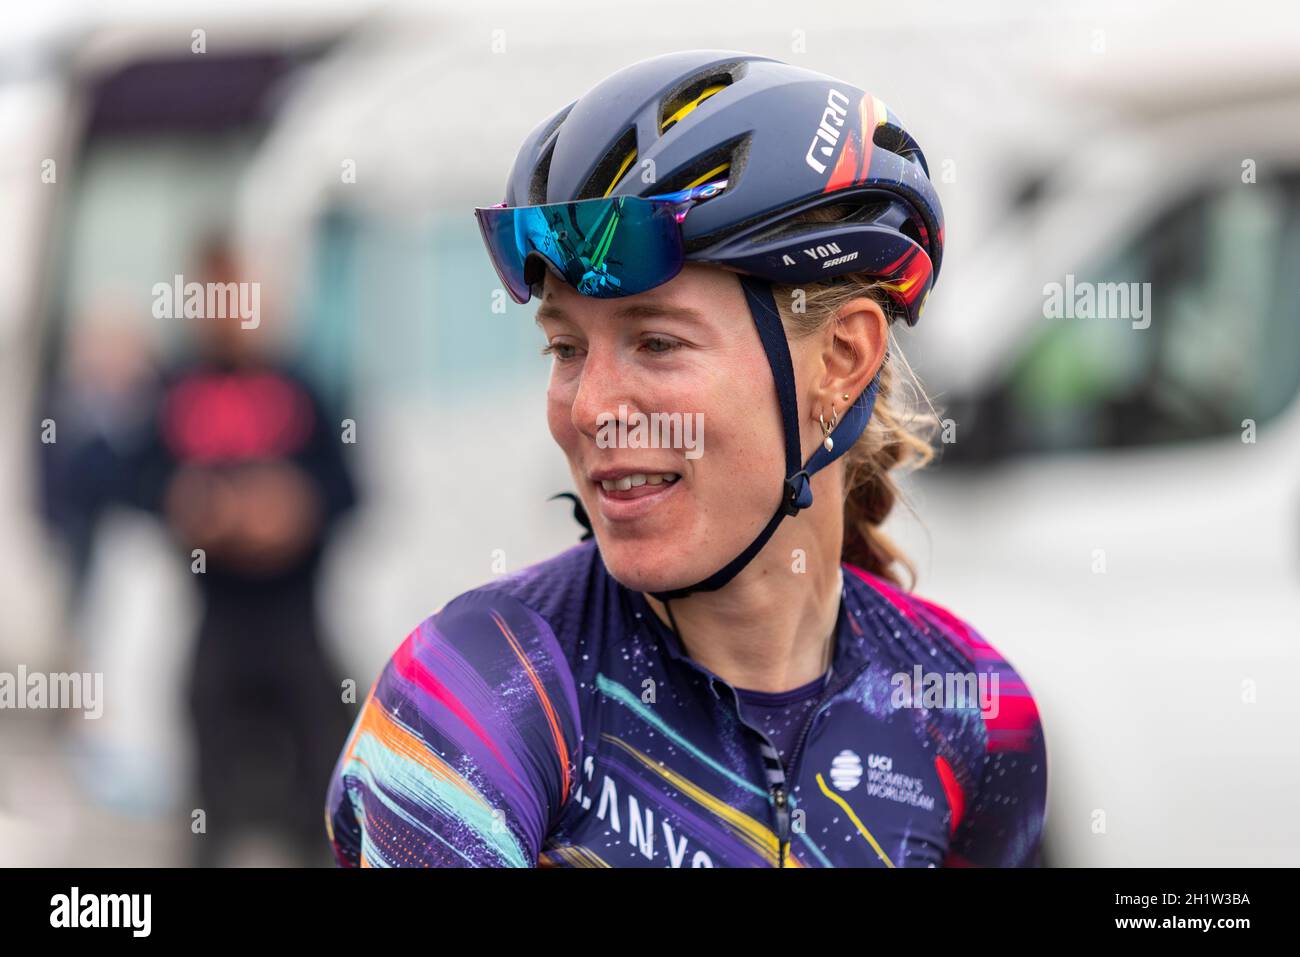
column 603, row 385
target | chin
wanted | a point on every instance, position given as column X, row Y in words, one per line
column 647, row 566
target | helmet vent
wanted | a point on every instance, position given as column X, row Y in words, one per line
column 618, row 163
column 541, row 172
column 686, row 98
column 730, row 154
column 897, row 141
column 910, row 230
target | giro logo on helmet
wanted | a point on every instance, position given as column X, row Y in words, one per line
column 827, row 136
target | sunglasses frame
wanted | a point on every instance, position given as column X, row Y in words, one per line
column 681, row 201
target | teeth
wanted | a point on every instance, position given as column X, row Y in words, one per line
column 640, row 478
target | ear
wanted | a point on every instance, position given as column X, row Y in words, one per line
column 853, row 349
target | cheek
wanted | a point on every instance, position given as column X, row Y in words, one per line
column 744, row 454
column 559, row 418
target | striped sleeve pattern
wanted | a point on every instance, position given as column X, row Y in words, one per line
column 466, row 746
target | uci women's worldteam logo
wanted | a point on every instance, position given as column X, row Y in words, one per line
column 846, row 770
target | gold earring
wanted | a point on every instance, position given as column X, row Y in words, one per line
column 827, row 441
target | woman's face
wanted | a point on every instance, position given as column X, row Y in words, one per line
column 688, row 347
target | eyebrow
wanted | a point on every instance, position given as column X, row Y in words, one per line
column 631, row 311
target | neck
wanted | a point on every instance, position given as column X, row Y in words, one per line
column 772, row 627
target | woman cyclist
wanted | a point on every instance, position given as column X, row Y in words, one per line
column 726, row 670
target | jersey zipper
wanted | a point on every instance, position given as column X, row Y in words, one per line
column 782, row 823
column 780, row 799
column 779, row 796
column 776, row 790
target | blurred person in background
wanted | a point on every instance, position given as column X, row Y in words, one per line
column 244, row 463
column 100, row 403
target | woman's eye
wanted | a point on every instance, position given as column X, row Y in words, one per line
column 660, row 345
column 564, row 351
column 557, row 349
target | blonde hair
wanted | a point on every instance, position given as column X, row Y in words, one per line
column 898, row 435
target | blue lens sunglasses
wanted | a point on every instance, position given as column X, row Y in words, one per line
column 604, row 248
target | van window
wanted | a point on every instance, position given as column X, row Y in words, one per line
column 1222, row 343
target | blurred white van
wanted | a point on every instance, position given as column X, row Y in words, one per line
column 1119, row 513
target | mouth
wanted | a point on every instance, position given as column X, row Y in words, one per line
column 631, row 495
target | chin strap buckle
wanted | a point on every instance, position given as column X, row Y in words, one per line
column 798, row 493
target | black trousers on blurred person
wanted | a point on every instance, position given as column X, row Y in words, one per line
column 268, row 716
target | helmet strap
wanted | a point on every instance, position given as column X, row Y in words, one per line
column 797, row 491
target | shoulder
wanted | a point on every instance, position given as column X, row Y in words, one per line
column 527, row 620
column 1013, row 721
column 991, row 752
column 551, row 598
column 521, row 632
column 557, row 588
column 473, row 721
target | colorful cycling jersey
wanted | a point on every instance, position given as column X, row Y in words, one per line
column 550, row 718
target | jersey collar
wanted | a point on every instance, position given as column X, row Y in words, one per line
column 850, row 640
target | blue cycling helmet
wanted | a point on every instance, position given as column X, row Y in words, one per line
column 786, row 140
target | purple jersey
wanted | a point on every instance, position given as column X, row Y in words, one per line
column 550, row 718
